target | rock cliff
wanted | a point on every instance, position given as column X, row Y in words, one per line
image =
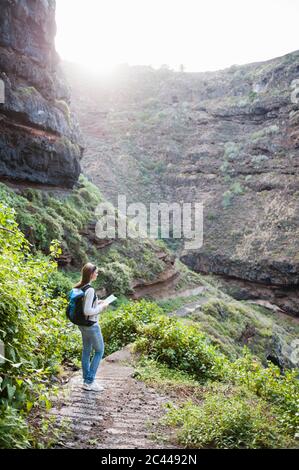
column 39, row 137
column 229, row 139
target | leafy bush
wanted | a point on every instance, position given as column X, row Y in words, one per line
column 59, row 284
column 180, row 346
column 33, row 326
column 281, row 389
column 231, row 150
column 13, row 429
column 236, row 188
column 260, row 411
column 120, row 327
column 229, row 417
column 117, row 277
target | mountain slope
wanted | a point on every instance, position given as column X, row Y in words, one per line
column 229, row 139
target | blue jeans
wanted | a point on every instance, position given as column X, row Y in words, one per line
column 92, row 340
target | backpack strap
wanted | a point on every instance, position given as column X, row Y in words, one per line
column 84, row 289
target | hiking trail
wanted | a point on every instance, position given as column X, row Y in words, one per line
column 124, row 416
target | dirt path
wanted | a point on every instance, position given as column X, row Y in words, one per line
column 166, row 290
column 124, row 415
column 189, row 308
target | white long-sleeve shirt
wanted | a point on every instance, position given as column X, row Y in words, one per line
column 91, row 310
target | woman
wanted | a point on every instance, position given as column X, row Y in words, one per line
column 91, row 335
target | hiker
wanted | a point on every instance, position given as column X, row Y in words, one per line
column 91, row 332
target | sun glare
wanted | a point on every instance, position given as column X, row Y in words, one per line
column 200, row 34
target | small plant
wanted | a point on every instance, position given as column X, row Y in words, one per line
column 257, row 159
column 225, row 167
column 14, row 433
column 231, row 150
column 236, row 188
column 252, row 96
column 267, row 131
column 227, row 199
column 27, row 91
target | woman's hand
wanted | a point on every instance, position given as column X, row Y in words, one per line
column 103, row 303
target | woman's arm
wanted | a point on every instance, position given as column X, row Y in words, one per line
column 88, row 309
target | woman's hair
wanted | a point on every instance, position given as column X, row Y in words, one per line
column 86, row 273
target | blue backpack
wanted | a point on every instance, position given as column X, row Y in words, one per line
column 74, row 310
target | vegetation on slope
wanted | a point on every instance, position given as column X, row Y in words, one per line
column 232, row 324
column 43, row 217
column 36, row 337
column 238, row 404
column 38, row 341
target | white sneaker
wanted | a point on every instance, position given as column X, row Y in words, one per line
column 94, row 387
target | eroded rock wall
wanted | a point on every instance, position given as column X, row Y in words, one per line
column 40, row 140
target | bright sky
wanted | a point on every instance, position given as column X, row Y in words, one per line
column 201, row 34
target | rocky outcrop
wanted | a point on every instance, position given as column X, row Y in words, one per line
column 229, row 139
column 39, row 138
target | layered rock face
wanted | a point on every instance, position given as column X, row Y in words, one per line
column 39, row 137
column 229, row 139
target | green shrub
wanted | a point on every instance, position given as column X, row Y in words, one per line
column 117, row 277
column 227, row 418
column 120, row 327
column 180, row 346
column 33, row 326
column 225, row 167
column 227, row 199
column 231, row 150
column 281, row 389
column 59, row 284
column 13, row 429
column 266, row 131
column 236, row 188
column 257, row 159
